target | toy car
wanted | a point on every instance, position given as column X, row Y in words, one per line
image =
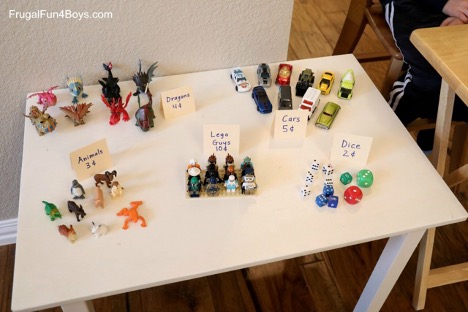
column 328, row 114
column 284, row 97
column 264, row 75
column 284, row 74
column 326, row 82
column 306, row 80
column 310, row 101
column 242, row 85
column 261, row 99
column 346, row 85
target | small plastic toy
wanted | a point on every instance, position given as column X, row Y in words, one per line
column 117, row 108
column 76, row 112
column 212, row 189
column 346, row 85
column 284, row 74
column 46, row 98
column 306, row 80
column 264, row 75
column 145, row 114
column 75, row 86
column 98, row 197
column 326, row 82
column 247, row 166
column 77, row 190
column 365, row 178
column 43, row 122
column 321, row 200
column 228, row 171
column 353, row 195
column 110, row 88
column 231, row 184
column 99, row 229
column 310, row 101
column 332, row 201
column 77, row 210
column 212, row 170
column 52, row 211
column 142, row 79
column 249, row 185
column 284, row 97
column 327, row 116
column 68, row 232
column 261, row 100
column 328, row 190
column 105, row 177
column 194, row 186
column 116, row 190
column 242, row 85
column 132, row 214
column 346, row 178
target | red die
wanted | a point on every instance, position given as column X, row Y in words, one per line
column 353, row 195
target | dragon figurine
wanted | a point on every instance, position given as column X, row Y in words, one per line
column 46, row 98
column 43, row 122
column 75, row 86
column 145, row 114
column 117, row 108
column 110, row 88
column 142, row 79
column 76, row 112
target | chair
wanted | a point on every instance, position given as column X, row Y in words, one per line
column 361, row 13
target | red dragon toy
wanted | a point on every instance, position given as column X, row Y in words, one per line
column 46, row 98
column 117, row 109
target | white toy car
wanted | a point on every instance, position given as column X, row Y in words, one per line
column 242, row 85
column 310, row 101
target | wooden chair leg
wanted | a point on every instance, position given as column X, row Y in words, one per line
column 353, row 28
column 423, row 268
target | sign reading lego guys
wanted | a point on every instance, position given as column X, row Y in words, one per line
column 350, row 149
column 221, row 140
column 290, row 124
column 177, row 102
column 91, row 159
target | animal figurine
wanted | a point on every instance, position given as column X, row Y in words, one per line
column 116, row 190
column 98, row 198
column 78, row 210
column 77, row 190
column 68, row 232
column 52, row 211
column 46, row 98
column 117, row 108
column 107, row 178
column 43, row 122
column 110, row 88
column 99, row 229
column 76, row 112
column 142, row 79
column 145, row 114
column 76, row 87
column 132, row 214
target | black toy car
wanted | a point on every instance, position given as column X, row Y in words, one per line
column 284, row 97
column 306, row 80
column 261, row 99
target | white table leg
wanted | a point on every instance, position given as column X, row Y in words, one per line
column 391, row 263
column 82, row 306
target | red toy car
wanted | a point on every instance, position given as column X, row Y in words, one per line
column 284, row 75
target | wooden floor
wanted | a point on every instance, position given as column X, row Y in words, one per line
column 329, row 281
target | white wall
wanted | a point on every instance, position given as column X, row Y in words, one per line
column 184, row 36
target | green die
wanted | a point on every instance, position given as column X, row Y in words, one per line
column 346, row 178
column 365, row 178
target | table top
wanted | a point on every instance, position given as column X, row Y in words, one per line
column 445, row 49
column 189, row 238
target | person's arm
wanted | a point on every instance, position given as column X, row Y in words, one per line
column 456, row 8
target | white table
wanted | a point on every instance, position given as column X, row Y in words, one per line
column 190, row 238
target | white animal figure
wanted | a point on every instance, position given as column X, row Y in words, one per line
column 116, row 190
column 99, row 230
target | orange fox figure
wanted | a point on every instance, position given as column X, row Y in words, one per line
column 132, row 214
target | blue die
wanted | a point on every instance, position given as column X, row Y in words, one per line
column 328, row 190
column 333, row 201
column 321, row 200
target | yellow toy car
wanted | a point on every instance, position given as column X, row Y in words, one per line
column 326, row 82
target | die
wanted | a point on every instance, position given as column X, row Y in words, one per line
column 305, row 191
column 328, row 190
column 328, row 180
column 365, row 178
column 353, row 195
column 333, row 201
column 321, row 200
column 346, row 178
column 315, row 165
column 327, row 170
column 309, row 178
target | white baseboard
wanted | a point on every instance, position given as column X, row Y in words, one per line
column 8, row 231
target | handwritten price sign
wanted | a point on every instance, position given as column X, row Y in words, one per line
column 350, row 148
column 91, row 159
column 177, row 102
column 290, row 124
column 221, row 140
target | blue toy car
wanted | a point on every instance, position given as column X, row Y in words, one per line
column 261, row 99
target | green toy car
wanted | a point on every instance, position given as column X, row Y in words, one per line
column 346, row 85
column 328, row 114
